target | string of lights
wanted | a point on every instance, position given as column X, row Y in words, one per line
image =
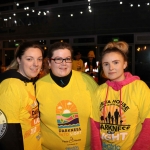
column 29, row 10
column 134, row 4
column 89, row 6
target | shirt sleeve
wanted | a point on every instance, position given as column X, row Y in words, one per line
column 96, row 143
column 95, row 135
column 10, row 105
column 143, row 140
column 10, row 102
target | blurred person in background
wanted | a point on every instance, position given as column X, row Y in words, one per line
column 77, row 63
column 45, row 68
column 92, row 66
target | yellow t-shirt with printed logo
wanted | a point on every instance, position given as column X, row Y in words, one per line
column 65, row 112
column 121, row 121
column 18, row 103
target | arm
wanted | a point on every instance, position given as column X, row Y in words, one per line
column 95, row 135
column 143, row 140
column 96, row 143
column 12, row 139
column 10, row 107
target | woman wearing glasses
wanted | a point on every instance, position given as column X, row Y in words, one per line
column 64, row 98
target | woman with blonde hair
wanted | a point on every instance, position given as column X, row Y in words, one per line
column 121, row 106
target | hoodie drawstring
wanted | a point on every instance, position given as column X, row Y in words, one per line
column 106, row 101
column 120, row 104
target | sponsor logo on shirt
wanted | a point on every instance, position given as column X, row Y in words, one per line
column 34, row 118
column 113, row 121
column 68, row 121
column 3, row 124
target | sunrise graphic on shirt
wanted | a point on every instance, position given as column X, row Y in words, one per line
column 67, row 115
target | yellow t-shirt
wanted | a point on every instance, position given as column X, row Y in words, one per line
column 121, row 121
column 18, row 103
column 65, row 112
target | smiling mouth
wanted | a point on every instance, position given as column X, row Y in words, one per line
column 35, row 69
column 111, row 72
column 62, row 68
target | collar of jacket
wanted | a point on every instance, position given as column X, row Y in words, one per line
column 61, row 81
column 12, row 73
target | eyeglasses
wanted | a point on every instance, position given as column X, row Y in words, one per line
column 59, row 60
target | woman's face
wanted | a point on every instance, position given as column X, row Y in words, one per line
column 30, row 63
column 113, row 66
column 62, row 69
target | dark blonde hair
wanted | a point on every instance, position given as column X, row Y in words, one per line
column 119, row 47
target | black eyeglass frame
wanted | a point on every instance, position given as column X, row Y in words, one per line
column 62, row 59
